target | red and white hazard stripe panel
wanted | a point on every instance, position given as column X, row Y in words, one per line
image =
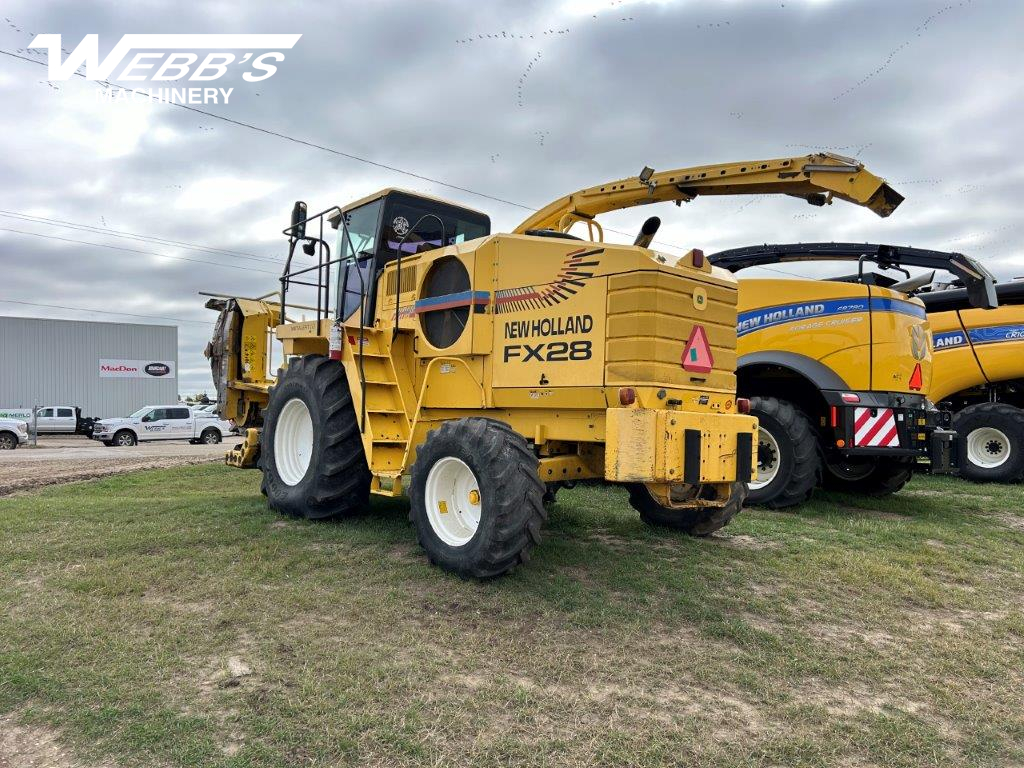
column 878, row 431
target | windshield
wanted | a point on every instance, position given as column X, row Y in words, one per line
column 140, row 413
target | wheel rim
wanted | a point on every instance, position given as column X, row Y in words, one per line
column 124, row 440
column 210, row 438
column 6, row 442
column 769, row 459
column 453, row 501
column 293, row 442
column 988, row 447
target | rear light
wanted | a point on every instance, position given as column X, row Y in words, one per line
column 698, row 258
column 840, row 443
column 850, row 397
column 627, row 395
column 742, row 405
column 835, row 416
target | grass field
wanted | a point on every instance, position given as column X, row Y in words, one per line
column 167, row 618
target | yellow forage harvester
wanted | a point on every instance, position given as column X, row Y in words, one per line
column 488, row 370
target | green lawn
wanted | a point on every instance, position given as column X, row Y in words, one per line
column 168, row 618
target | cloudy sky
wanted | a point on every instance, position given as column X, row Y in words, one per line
column 523, row 101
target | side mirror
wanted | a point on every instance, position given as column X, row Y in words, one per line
column 299, row 220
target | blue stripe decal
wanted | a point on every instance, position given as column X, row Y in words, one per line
column 467, row 297
column 992, row 334
column 949, row 340
column 769, row 317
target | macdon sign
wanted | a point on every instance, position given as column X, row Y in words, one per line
column 136, row 369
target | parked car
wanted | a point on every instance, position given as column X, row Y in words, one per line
column 13, row 432
column 52, row 419
column 161, row 422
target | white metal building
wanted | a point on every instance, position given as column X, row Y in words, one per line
column 109, row 369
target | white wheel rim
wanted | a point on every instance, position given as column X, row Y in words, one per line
column 768, row 467
column 293, row 442
column 453, row 501
column 988, row 447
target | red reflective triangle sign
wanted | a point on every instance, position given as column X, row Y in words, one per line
column 916, row 378
column 697, row 355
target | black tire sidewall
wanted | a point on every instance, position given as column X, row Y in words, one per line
column 208, row 432
column 1006, row 421
column 787, row 459
column 117, row 435
column 290, row 498
column 444, row 554
column 10, row 441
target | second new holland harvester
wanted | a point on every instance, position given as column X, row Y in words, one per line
column 838, row 370
column 492, row 368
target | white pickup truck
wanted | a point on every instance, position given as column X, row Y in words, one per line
column 161, row 422
column 13, row 433
column 50, row 419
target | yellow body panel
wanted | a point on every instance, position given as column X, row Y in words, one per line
column 871, row 338
column 638, row 440
column 975, row 347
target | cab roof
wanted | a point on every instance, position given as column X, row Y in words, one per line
column 333, row 218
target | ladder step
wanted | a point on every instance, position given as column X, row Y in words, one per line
column 390, row 441
column 385, row 410
column 380, row 382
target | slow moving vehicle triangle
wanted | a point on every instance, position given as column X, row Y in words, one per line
column 697, row 355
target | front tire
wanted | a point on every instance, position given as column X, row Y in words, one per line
column 8, row 441
column 125, row 439
column 696, row 520
column 311, row 451
column 990, row 442
column 476, row 498
column 874, row 477
column 788, row 464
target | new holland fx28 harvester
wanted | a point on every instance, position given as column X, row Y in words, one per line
column 490, row 367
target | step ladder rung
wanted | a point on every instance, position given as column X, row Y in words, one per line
column 393, row 411
column 389, row 441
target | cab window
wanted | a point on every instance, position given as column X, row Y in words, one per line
column 422, row 225
column 179, row 413
column 65, row 413
column 45, row 413
column 357, row 251
column 157, row 414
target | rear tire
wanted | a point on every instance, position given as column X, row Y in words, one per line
column 476, row 498
column 990, row 442
column 885, row 478
column 697, row 521
column 788, row 464
column 8, row 441
column 311, row 451
column 210, row 437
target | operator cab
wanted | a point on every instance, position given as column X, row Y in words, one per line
column 380, row 226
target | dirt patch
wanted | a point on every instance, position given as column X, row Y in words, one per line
column 31, row 475
column 1010, row 521
column 855, row 700
column 743, row 541
column 33, row 746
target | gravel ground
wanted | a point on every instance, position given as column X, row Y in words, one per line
column 67, row 458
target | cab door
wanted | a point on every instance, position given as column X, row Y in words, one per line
column 44, row 420
column 180, row 423
column 65, row 420
column 154, row 425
